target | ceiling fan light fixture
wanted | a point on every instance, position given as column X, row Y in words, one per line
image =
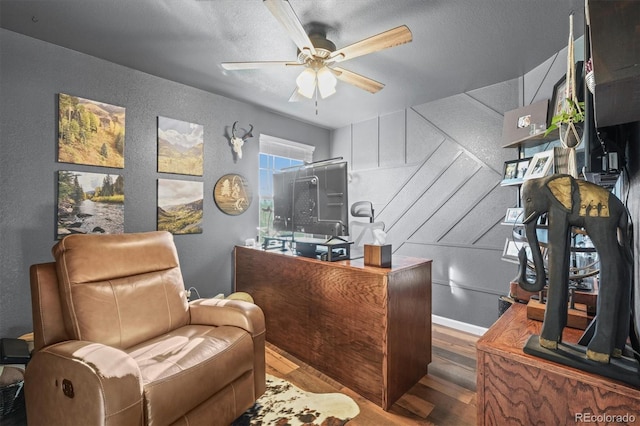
column 326, row 82
column 318, row 55
column 306, row 82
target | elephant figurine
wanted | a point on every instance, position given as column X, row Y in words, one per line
column 571, row 203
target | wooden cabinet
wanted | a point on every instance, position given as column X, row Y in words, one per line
column 368, row 328
column 516, row 388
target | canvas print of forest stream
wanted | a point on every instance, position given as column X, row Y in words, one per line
column 90, row 203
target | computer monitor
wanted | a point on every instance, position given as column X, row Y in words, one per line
column 312, row 199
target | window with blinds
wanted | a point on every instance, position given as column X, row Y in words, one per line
column 276, row 154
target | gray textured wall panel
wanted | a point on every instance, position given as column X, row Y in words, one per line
column 392, row 139
column 539, row 82
column 432, row 207
column 378, row 185
column 425, row 176
column 471, row 124
column 465, row 266
column 490, row 212
column 451, row 193
column 499, row 97
column 365, row 145
column 422, row 137
column 476, row 208
column 449, row 207
column 33, row 73
column 470, row 306
column 341, row 144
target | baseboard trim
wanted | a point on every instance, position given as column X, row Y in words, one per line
column 459, row 325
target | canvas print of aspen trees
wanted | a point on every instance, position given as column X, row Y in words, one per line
column 180, row 206
column 180, row 147
column 90, row 203
column 90, row 132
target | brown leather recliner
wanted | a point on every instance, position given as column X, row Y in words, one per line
column 117, row 342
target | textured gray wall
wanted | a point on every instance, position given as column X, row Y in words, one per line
column 32, row 73
column 433, row 173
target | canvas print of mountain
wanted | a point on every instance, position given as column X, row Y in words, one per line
column 180, row 147
column 90, row 132
column 180, row 206
column 90, row 203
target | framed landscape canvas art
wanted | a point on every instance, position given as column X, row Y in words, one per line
column 180, row 147
column 180, row 206
column 90, row 203
column 90, row 132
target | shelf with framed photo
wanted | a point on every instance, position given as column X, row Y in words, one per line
column 526, row 126
column 541, row 165
column 514, row 171
column 512, row 249
column 513, row 217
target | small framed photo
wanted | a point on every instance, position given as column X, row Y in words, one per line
column 514, row 171
column 514, row 215
column 510, row 170
column 541, row 164
column 511, row 250
column 524, row 121
column 558, row 98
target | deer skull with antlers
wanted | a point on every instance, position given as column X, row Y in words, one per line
column 237, row 142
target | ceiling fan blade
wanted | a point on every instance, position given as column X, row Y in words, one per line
column 360, row 81
column 394, row 37
column 284, row 13
column 233, row 66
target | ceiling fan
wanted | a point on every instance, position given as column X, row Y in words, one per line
column 318, row 56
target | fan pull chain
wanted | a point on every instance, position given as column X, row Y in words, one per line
column 316, row 101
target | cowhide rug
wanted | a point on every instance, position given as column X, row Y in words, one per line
column 284, row 404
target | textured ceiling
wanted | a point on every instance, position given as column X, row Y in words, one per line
column 458, row 45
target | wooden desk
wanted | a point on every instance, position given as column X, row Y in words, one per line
column 368, row 328
column 519, row 389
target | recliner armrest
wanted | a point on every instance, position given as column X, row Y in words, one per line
column 77, row 382
column 236, row 313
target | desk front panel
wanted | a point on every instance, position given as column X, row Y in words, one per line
column 336, row 317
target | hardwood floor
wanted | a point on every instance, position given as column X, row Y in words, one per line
column 445, row 396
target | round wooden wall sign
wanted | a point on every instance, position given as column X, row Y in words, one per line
column 232, row 194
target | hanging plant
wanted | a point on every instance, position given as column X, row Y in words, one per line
column 565, row 122
column 568, row 120
column 573, row 113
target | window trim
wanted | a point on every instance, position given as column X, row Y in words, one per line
column 272, row 145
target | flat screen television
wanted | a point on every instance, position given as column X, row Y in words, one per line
column 312, row 199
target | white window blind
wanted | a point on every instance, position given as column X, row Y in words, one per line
column 285, row 148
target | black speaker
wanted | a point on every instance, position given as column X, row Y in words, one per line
column 14, row 351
